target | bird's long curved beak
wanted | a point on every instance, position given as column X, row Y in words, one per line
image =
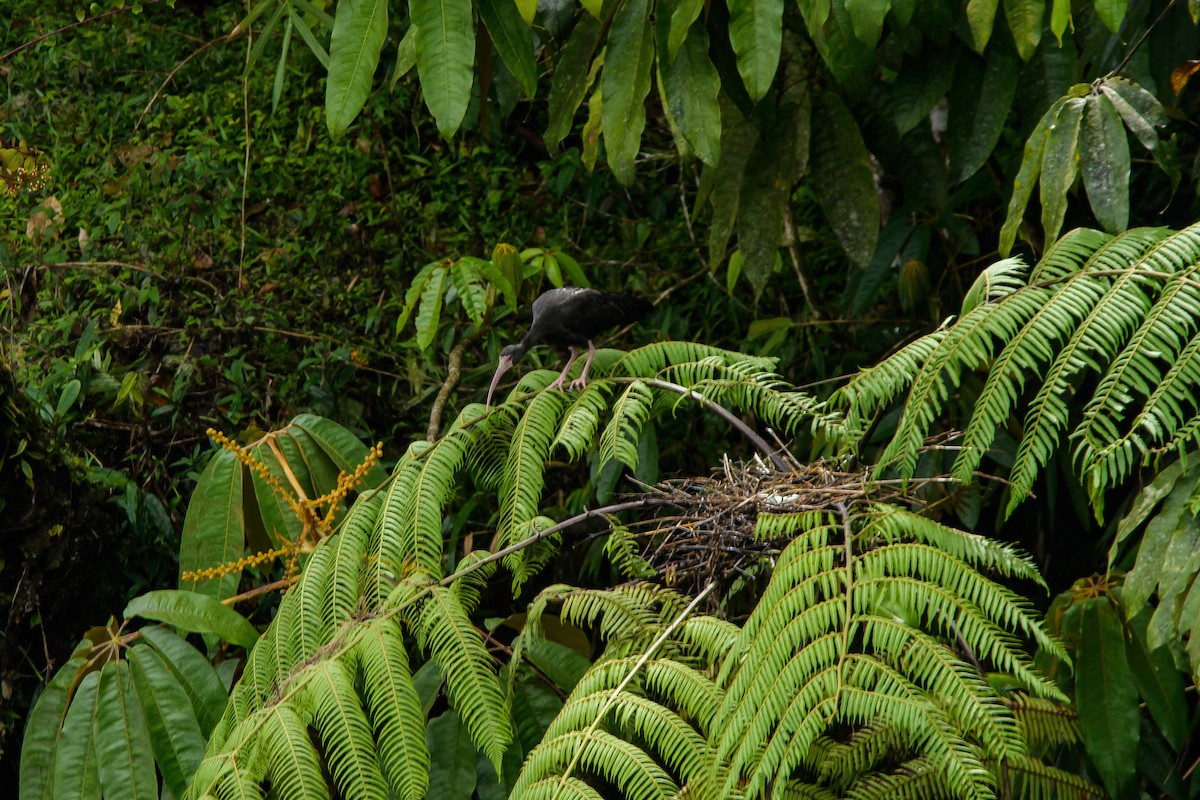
column 501, row 368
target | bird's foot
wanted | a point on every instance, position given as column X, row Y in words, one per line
column 558, row 384
column 579, row 383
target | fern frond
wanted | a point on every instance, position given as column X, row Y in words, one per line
column 293, row 768
column 622, row 550
column 650, row 360
column 555, row 788
column 345, row 732
column 429, row 492
column 1033, row 780
column 874, row 388
column 521, row 486
column 630, row 412
column 1044, row 723
column 472, row 685
column 577, row 431
column 621, row 763
column 394, row 709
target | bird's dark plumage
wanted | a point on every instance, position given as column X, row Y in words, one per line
column 570, row 317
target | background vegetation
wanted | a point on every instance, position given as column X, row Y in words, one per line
column 812, row 182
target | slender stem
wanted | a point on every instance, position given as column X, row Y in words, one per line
column 57, row 31
column 616, row 692
column 453, row 374
column 727, row 415
column 539, row 535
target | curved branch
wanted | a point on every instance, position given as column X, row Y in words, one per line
column 727, row 415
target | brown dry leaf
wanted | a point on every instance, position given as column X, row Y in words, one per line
column 50, row 211
column 1181, row 74
column 202, row 260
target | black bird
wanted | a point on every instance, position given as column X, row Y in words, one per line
column 571, row 316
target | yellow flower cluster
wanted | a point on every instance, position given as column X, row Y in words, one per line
column 235, row 566
column 346, row 482
column 258, row 467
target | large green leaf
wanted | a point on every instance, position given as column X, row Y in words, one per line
column 429, row 314
column 980, row 99
column 1159, row 683
column 1143, row 115
column 683, row 14
column 195, row 613
column 445, row 46
column 866, row 17
column 39, row 745
column 722, row 184
column 75, row 771
column 175, row 734
column 193, row 672
column 625, row 83
column 1106, row 695
column 1031, row 167
column 343, row 447
column 843, row 179
column 1112, row 12
column 981, row 16
column 756, row 33
column 689, row 87
column 513, row 40
column 569, row 83
column 122, row 741
column 921, row 84
column 1059, row 165
column 214, row 528
column 1104, row 162
column 1025, row 21
column 359, row 30
column 452, row 774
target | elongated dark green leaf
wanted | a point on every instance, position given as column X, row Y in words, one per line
column 121, row 739
column 195, row 613
column 1143, row 115
column 1025, row 21
column 281, row 66
column 921, row 84
column 513, row 40
column 75, row 771
column 867, row 16
column 766, row 189
column 174, row 732
column 40, row 742
column 683, row 14
column 625, row 83
column 452, row 773
column 569, row 84
column 980, row 100
column 214, row 530
column 1059, row 165
column 1112, row 12
column 429, row 314
column 756, row 33
column 310, row 39
column 445, row 55
column 689, row 87
column 193, row 672
column 1104, row 162
column 1060, row 17
column 842, row 176
column 359, row 30
column 722, row 184
column 343, row 447
column 1145, row 502
column 981, row 16
column 1159, row 683
column 1106, row 696
column 1031, row 167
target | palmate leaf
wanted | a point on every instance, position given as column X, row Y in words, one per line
column 214, row 527
column 76, row 774
column 121, row 740
column 40, row 743
column 174, row 732
column 193, row 612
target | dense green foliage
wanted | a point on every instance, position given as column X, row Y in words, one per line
column 808, row 188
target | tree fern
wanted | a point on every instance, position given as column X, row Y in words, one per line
column 1123, row 308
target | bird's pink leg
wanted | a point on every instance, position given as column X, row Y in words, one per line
column 558, row 382
column 581, row 381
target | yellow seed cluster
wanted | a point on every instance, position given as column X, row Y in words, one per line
column 234, row 566
column 314, row 529
column 346, row 482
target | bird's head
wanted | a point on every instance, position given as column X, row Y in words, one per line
column 508, row 356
